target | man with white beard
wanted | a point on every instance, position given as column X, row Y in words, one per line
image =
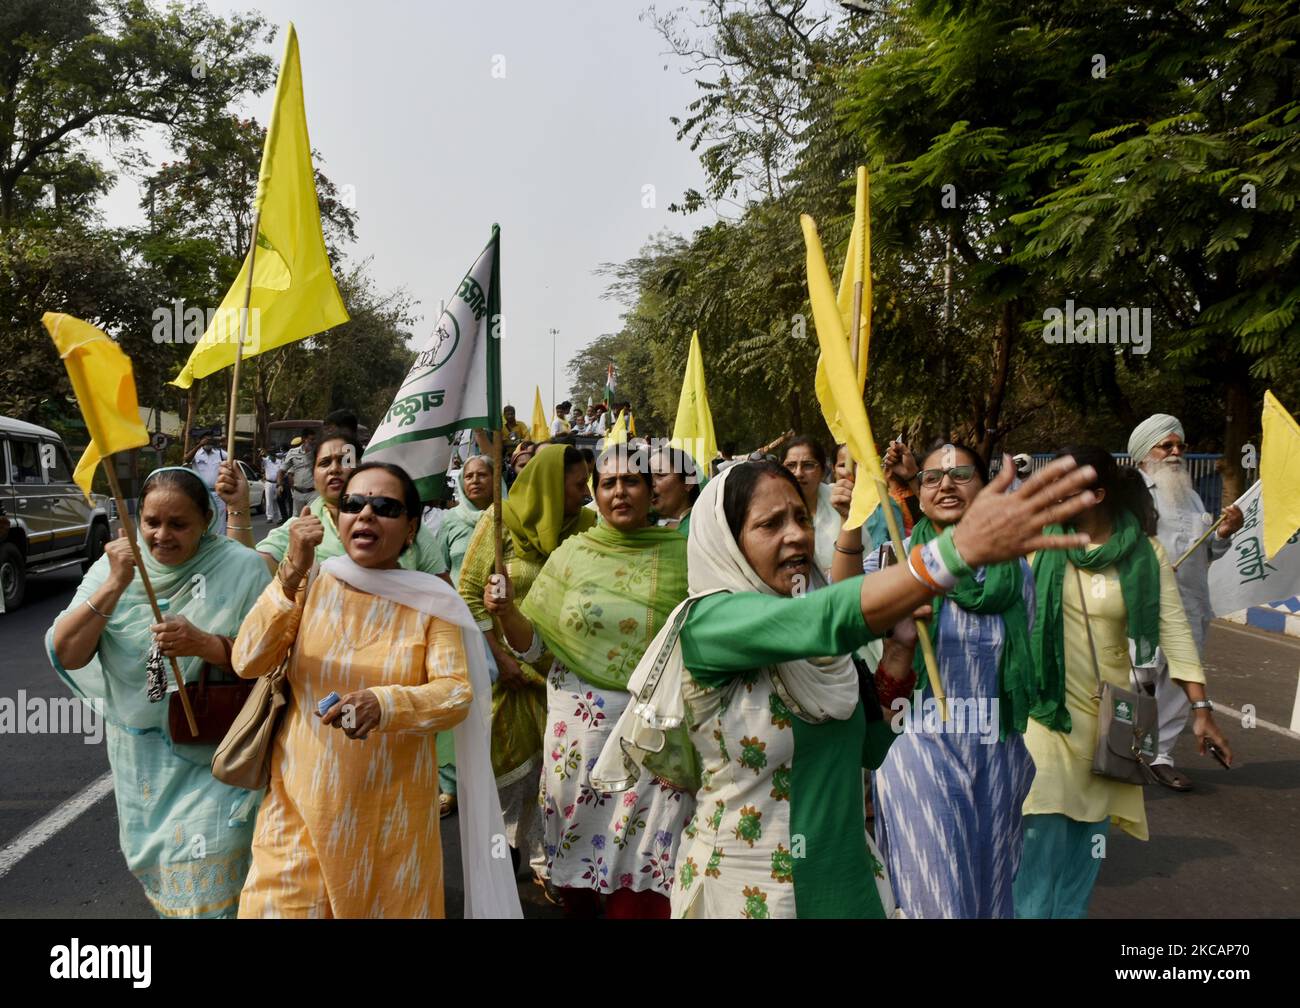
column 1156, row 445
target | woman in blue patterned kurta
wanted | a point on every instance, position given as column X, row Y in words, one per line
column 948, row 795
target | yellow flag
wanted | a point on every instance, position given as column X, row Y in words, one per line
column 618, row 434
column 541, row 431
column 857, row 266
column 1279, row 475
column 845, row 394
column 294, row 295
column 102, row 378
column 693, row 431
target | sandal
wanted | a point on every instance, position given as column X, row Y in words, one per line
column 1171, row 777
column 446, row 805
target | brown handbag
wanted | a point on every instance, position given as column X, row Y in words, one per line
column 215, row 706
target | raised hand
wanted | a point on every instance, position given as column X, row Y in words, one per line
column 1002, row 526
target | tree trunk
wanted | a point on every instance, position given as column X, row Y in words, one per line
column 988, row 436
column 1238, row 426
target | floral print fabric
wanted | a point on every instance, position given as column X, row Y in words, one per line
column 595, row 840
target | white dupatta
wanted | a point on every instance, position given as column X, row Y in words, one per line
column 490, row 890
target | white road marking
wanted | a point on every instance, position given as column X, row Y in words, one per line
column 64, row 815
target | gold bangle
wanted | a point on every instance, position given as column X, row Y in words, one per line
column 240, row 528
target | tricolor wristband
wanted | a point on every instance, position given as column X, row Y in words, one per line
column 927, row 566
column 947, row 545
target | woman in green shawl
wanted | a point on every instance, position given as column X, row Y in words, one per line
column 543, row 510
column 186, row 836
column 1125, row 584
column 595, row 606
column 948, row 796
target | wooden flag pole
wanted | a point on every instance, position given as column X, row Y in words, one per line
column 496, row 502
column 1213, row 528
column 129, row 525
column 896, row 534
column 1196, row 545
column 243, row 329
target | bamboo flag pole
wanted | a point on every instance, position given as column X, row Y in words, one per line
column 129, row 525
column 896, row 534
column 1212, row 529
column 243, row 329
column 496, row 501
column 863, row 271
column 1196, row 545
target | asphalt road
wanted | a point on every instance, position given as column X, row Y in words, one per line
column 1225, row 850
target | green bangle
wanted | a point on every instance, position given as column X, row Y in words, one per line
column 951, row 558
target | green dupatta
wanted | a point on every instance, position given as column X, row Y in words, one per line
column 534, row 513
column 599, row 602
column 1002, row 593
column 602, row 597
column 214, row 590
column 1129, row 550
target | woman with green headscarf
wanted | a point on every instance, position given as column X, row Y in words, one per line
column 543, row 510
column 595, row 606
column 186, row 836
column 1124, row 584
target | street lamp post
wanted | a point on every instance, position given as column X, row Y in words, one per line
column 554, row 333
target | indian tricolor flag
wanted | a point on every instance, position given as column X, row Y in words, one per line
column 609, row 386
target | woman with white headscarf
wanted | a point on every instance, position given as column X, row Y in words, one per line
column 782, row 735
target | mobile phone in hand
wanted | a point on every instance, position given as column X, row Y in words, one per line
column 1217, row 753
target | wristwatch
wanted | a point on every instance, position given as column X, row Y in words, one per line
column 1202, row 705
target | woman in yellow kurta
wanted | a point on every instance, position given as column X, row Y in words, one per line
column 1132, row 601
column 350, row 825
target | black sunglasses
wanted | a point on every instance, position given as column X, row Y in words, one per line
column 384, row 507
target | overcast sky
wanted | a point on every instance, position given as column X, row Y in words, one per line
column 402, row 105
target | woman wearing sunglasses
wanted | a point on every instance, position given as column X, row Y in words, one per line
column 349, row 826
column 759, row 673
column 948, row 796
column 313, row 536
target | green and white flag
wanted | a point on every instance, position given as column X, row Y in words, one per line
column 454, row 384
column 1244, row 576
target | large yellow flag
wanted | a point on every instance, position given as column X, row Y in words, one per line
column 294, row 295
column 693, row 431
column 1279, row 475
column 845, row 394
column 102, row 378
column 541, row 431
column 857, row 266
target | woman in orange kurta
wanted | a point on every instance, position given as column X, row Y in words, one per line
column 350, row 825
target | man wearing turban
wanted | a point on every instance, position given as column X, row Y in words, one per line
column 1156, row 447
